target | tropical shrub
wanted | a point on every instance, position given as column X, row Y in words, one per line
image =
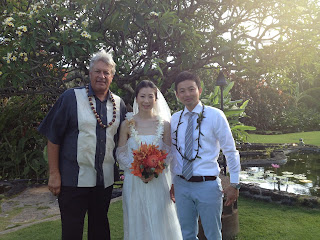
column 310, row 99
column 21, row 145
column 297, row 120
column 233, row 109
column 266, row 103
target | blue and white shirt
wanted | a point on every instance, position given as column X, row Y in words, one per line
column 216, row 135
column 86, row 157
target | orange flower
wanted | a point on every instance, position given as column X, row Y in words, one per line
column 65, row 76
column 152, row 161
column 148, row 160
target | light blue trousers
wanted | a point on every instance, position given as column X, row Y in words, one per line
column 199, row 198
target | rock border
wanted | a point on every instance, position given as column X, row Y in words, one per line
column 279, row 197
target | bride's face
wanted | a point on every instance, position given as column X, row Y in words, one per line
column 146, row 99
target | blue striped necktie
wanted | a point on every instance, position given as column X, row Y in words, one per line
column 187, row 165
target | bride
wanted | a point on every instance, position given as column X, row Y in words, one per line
column 148, row 212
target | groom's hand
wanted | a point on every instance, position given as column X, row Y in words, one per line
column 232, row 195
column 172, row 194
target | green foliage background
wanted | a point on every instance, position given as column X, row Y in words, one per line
column 21, row 145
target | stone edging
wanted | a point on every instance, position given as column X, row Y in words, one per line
column 280, row 197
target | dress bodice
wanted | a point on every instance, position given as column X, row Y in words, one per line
column 136, row 139
column 145, row 139
column 124, row 154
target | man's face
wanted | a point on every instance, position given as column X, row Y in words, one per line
column 188, row 93
column 100, row 77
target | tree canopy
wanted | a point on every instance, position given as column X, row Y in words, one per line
column 46, row 45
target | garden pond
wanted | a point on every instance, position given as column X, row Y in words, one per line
column 300, row 175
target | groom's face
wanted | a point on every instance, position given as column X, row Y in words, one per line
column 188, row 93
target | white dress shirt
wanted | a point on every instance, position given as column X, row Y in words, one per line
column 216, row 134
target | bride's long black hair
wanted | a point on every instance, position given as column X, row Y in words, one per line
column 146, row 84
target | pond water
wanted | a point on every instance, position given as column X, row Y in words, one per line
column 300, row 175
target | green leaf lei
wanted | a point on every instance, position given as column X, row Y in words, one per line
column 199, row 120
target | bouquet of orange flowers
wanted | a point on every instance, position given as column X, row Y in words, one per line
column 148, row 160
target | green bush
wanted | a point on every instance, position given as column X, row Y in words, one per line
column 21, row 146
column 310, row 99
column 266, row 103
column 297, row 120
column 272, row 110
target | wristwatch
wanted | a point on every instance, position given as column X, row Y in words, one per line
column 235, row 185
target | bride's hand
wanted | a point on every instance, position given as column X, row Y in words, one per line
column 172, row 194
column 146, row 180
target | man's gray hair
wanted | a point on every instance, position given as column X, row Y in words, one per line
column 104, row 57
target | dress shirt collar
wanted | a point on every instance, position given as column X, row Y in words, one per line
column 197, row 109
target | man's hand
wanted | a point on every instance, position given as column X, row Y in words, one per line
column 172, row 193
column 232, row 195
column 54, row 183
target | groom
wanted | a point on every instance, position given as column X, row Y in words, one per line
column 198, row 132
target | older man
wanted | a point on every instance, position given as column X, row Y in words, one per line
column 82, row 131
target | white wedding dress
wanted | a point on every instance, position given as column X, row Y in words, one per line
column 148, row 212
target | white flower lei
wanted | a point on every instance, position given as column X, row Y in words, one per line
column 134, row 132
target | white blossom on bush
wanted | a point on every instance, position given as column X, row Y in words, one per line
column 55, row 6
column 19, row 33
column 8, row 22
column 86, row 34
column 85, row 23
column 23, row 28
column 154, row 14
column 22, row 54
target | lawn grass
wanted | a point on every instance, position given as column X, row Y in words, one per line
column 46, row 230
column 312, row 138
column 257, row 219
column 269, row 221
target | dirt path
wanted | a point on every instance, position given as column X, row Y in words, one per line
column 31, row 206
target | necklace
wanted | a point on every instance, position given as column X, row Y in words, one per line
column 134, row 132
column 199, row 120
column 97, row 115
